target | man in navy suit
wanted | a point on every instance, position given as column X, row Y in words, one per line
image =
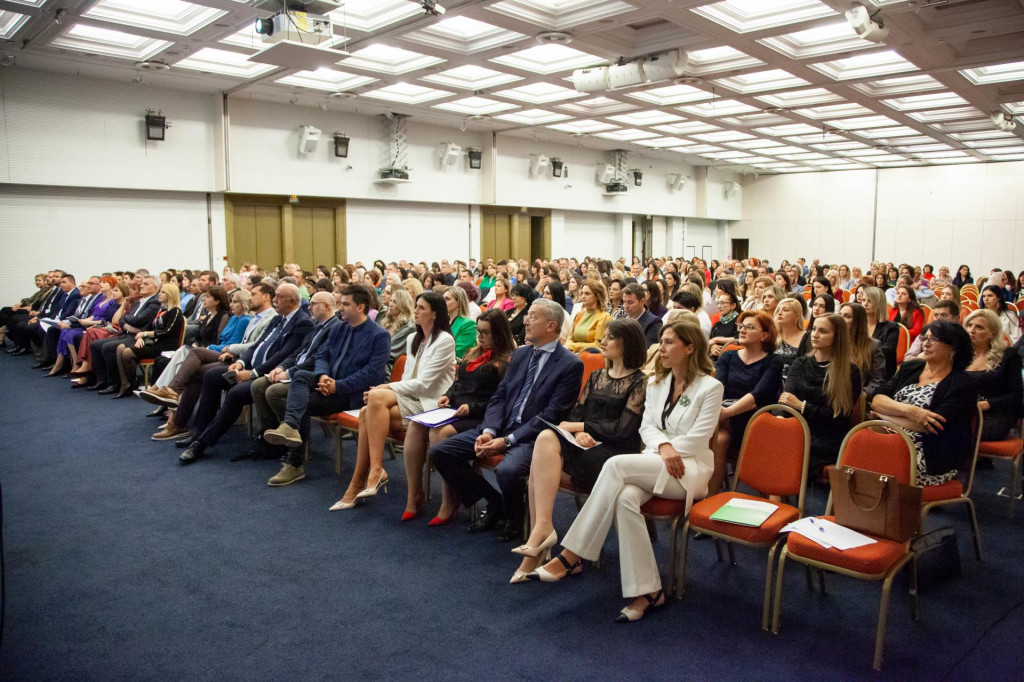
column 282, row 337
column 542, row 382
column 353, row 359
column 61, row 306
column 633, row 304
column 85, row 303
column 139, row 318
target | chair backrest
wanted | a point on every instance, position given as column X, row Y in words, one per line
column 592, row 362
column 903, row 344
column 807, row 294
column 881, row 447
column 733, row 346
column 927, row 309
column 977, row 423
column 1014, row 307
column 398, row 369
column 715, row 317
column 774, row 453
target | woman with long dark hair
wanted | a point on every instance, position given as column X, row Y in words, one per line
column 907, row 311
column 992, row 299
column 963, row 276
column 429, row 371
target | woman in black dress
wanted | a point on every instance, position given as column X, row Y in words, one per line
column 824, row 386
column 996, row 369
column 604, row 423
column 879, row 327
column 522, row 296
column 476, row 380
column 165, row 335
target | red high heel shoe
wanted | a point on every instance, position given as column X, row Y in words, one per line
column 410, row 515
column 442, row 521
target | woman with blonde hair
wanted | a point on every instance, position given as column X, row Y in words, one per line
column 398, row 322
column 879, row 327
column 789, row 321
column 824, row 386
column 770, row 298
column 589, row 324
column 413, row 286
column 680, row 415
column 996, row 368
column 165, row 335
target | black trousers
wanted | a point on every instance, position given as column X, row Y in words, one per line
column 304, row 402
column 104, row 358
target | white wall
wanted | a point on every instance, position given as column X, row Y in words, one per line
column 59, row 129
column 943, row 215
column 701, row 233
column 415, row 232
column 590, row 234
column 90, row 231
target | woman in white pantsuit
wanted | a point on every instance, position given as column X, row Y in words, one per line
column 680, row 415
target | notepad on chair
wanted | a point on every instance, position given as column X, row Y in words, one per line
column 745, row 512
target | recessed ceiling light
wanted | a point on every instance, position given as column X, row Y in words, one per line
column 532, row 117
column 996, row 73
column 865, row 65
column 369, row 16
column 714, row 59
column 475, row 105
column 223, row 62
column 10, row 22
column 390, row 60
column 744, row 16
column 406, row 93
column 671, row 94
column 548, row 59
column 471, row 77
column 105, row 41
column 463, row 35
column 557, row 15
column 538, row 93
column 818, row 41
column 167, row 16
column 326, row 79
column 761, row 80
column 584, row 126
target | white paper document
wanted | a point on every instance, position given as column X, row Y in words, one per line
column 168, row 354
column 353, row 413
column 828, row 534
column 432, row 418
column 568, row 436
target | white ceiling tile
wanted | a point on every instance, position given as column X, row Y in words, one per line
column 646, row 118
column 88, row 38
column 538, row 93
column 223, row 62
column 789, row 129
column 744, row 16
column 828, row 111
column 663, row 142
column 532, row 117
column 936, row 99
column 597, row 106
column 406, row 93
column 627, row 134
column 326, row 79
column 865, row 65
column 168, row 16
column 393, row 61
column 10, row 22
column 463, row 35
column 583, row 126
column 888, row 87
column 373, row 15
column 686, row 127
column 714, row 59
column 471, row 77
column 800, row 98
column 556, row 15
column 474, row 106
column 548, row 59
column 671, row 94
column 718, row 107
column 761, row 80
column 723, row 136
column 996, row 73
column 951, row 114
column 818, row 41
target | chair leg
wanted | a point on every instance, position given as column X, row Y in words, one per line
column 913, row 590
column 769, row 571
column 778, row 590
column 673, row 568
column 145, row 376
column 426, row 476
column 810, row 577
column 337, row 451
column 883, row 613
column 718, row 550
column 683, row 546
column 974, row 527
column 821, row 580
column 732, row 553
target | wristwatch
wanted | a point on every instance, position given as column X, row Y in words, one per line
column 508, row 442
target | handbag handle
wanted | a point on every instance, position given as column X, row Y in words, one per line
column 853, row 491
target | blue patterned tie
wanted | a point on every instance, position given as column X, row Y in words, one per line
column 524, row 392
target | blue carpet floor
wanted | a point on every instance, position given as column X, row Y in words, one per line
column 123, row 565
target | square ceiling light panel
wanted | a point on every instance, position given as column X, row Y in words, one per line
column 723, row 136
column 789, row 129
column 766, row 145
column 646, row 118
column 997, row 73
column 862, row 122
column 901, row 85
column 556, row 15
column 719, row 107
column 714, row 59
column 912, row 102
column 758, row 81
column 532, row 117
column 865, row 66
column 671, row 94
column 761, row 118
column 30, row 3
column 583, row 127
column 800, row 98
column 818, row 41
column 463, row 35
column 744, row 16
column 168, row 16
column 891, row 133
column 475, row 106
column 406, row 93
column 664, row 142
column 105, row 41
column 833, row 110
column 471, row 77
column 686, row 127
column 211, row 60
column 10, row 22
column 393, row 61
column 539, row 93
column 372, row 15
column 952, row 114
column 627, row 135
column 326, row 79
column 597, row 106
column 548, row 59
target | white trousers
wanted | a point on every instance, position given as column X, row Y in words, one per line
column 625, row 484
column 167, row 375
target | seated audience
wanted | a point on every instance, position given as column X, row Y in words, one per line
column 398, row 323
column 946, row 310
column 992, row 299
column 429, row 372
column 522, row 296
column 26, row 305
column 614, row 306
column 541, row 384
column 907, row 311
column 653, row 298
column 865, row 352
column 934, row 400
column 633, row 305
column 879, row 327
column 996, row 369
column 789, row 322
column 502, row 298
column 476, row 380
column 463, row 328
column 724, row 330
column 588, row 326
column 139, row 318
column 101, row 312
column 82, row 368
column 963, row 276
column 752, row 377
column 824, row 387
column 680, row 414
column 605, row 422
column 771, row 297
column 166, row 335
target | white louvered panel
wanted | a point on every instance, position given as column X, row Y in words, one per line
column 87, row 232
column 65, row 130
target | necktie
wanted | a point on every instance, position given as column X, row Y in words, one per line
column 261, row 351
column 524, row 392
column 311, row 346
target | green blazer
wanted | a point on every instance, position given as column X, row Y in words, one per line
column 464, row 331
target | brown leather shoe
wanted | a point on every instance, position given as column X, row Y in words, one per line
column 170, row 432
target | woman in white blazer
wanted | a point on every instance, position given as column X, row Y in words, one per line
column 680, row 416
column 429, row 371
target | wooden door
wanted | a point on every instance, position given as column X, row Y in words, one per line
column 313, row 236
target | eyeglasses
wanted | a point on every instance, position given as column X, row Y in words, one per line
column 749, row 327
column 929, row 340
column 483, row 332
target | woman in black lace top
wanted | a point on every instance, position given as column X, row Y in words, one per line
column 604, row 423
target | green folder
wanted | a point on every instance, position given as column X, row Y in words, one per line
column 742, row 516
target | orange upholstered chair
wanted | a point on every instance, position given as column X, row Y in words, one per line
column 902, row 345
column 592, row 362
column 1011, row 450
column 350, row 423
column 888, row 451
column 955, row 492
column 772, row 461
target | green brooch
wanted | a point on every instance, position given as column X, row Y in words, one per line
column 685, row 401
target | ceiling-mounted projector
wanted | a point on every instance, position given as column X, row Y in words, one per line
column 299, row 27
column 861, row 22
column 1003, row 121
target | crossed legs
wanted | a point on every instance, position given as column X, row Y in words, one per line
column 380, row 417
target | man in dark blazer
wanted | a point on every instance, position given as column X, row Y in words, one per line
column 353, row 359
column 85, row 303
column 63, row 305
column 48, row 307
column 139, row 318
column 542, row 382
column 633, row 304
column 282, row 337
